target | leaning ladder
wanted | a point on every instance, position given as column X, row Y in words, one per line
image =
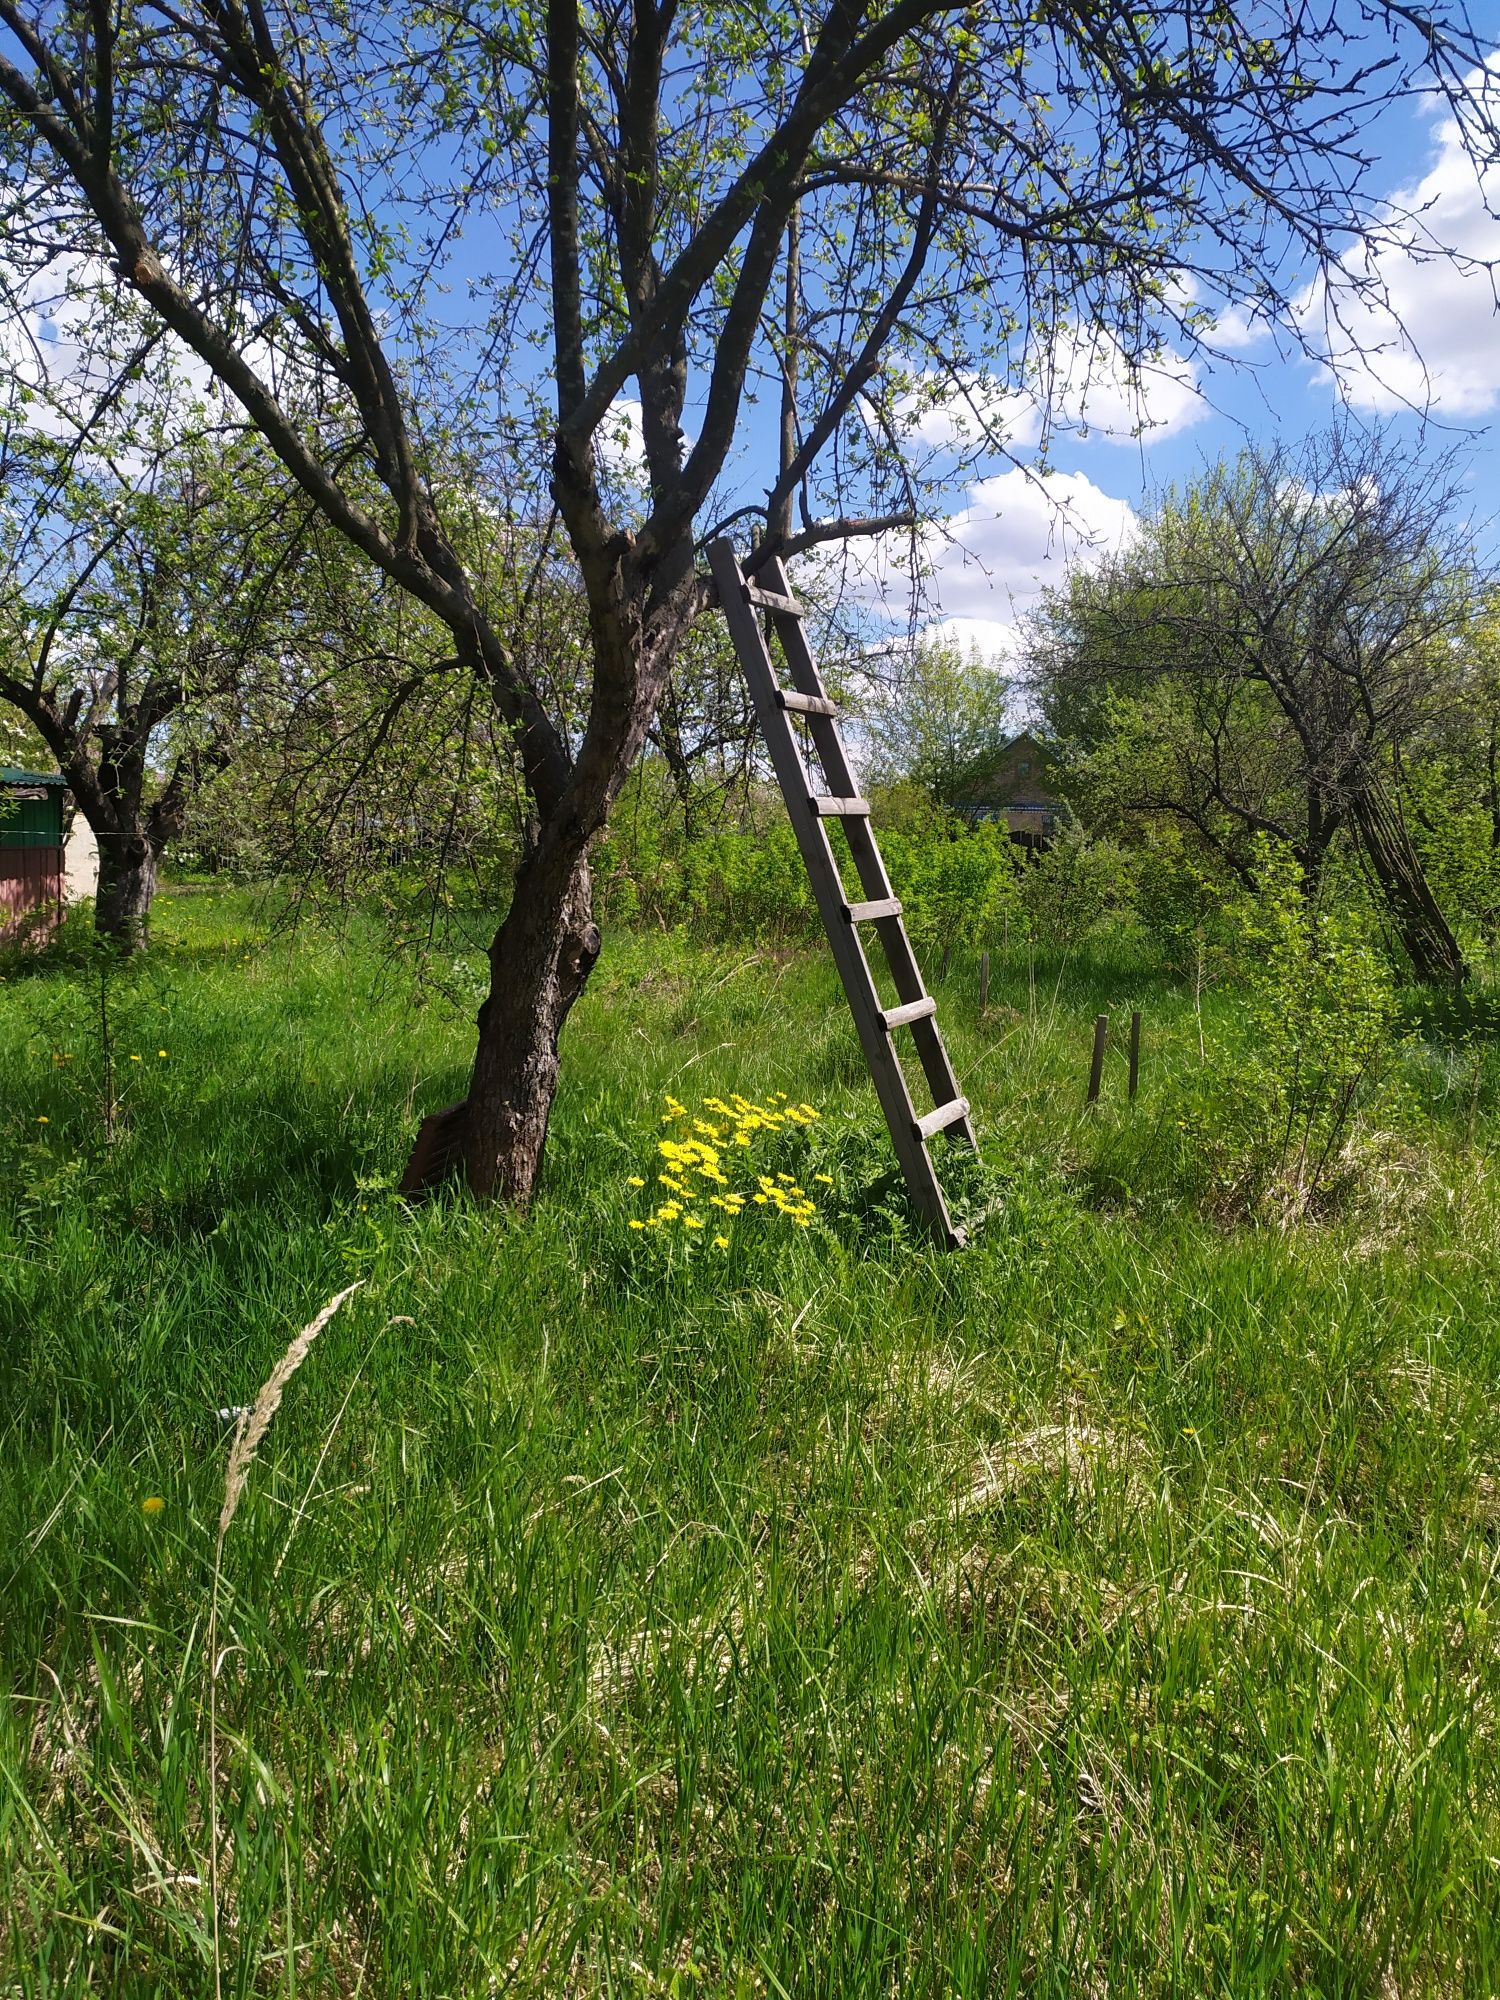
column 775, row 706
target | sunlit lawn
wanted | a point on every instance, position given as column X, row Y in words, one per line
column 1107, row 1609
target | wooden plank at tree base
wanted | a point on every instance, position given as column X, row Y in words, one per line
column 1096, row 1068
column 436, row 1156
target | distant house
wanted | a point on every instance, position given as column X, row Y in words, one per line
column 1018, row 787
column 41, row 865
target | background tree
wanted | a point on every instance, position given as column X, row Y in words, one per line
column 941, row 721
column 962, row 186
column 1264, row 657
column 130, row 625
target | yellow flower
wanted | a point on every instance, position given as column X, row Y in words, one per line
column 44, row 1121
column 636, row 1225
column 153, row 1504
column 721, row 1243
column 692, row 1222
column 636, row 1181
column 135, row 1058
column 826, row 1179
column 162, row 1052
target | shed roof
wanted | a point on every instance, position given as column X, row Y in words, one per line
column 9, row 775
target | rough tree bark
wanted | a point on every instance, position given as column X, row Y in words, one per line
column 127, row 886
column 540, row 962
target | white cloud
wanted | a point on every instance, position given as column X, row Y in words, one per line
column 68, row 335
column 1083, row 384
column 1422, row 333
column 976, row 407
column 1095, row 387
column 622, row 439
column 987, row 565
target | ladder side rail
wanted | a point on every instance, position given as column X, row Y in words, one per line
column 869, row 862
column 806, row 679
column 906, row 977
column 827, row 885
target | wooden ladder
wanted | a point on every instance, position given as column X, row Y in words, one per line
column 807, row 698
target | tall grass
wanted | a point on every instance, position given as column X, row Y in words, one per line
column 1108, row 1609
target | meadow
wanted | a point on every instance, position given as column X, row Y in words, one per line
column 1110, row 1608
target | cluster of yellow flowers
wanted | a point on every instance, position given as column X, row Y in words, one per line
column 695, row 1156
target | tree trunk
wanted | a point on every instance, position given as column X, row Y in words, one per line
column 540, row 961
column 127, row 886
column 1397, row 868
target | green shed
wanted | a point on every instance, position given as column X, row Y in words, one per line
column 31, row 851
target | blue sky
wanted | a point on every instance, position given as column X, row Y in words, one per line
column 1440, row 378
column 1111, row 442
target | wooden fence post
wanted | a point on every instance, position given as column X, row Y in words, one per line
column 1135, row 1052
column 1096, row 1071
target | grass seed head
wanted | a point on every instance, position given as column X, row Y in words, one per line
column 251, row 1430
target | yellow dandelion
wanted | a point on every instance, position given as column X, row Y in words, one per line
column 692, row 1222
column 152, row 1504
column 721, row 1243
column 636, row 1181
column 826, row 1179
column 637, row 1225
column 44, row 1121
column 135, row 1058
column 162, row 1053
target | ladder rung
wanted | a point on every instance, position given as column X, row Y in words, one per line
column 772, row 600
column 830, row 808
column 914, row 1010
column 869, row 913
column 942, row 1118
column 805, row 704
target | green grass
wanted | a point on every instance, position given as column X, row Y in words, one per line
column 1109, row 1609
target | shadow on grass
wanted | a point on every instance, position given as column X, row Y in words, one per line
column 1460, row 1015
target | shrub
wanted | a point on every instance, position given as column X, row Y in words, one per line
column 1320, row 1009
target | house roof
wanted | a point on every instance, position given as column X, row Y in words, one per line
column 9, row 775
